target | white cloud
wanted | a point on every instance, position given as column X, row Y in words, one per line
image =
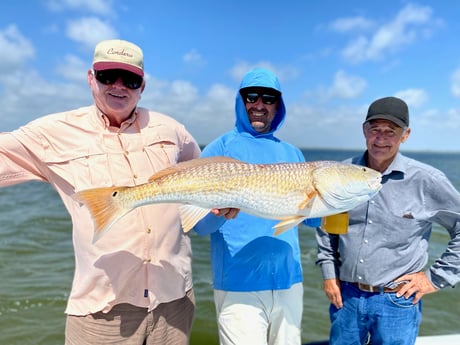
column 241, row 68
column 40, row 97
column 409, row 24
column 205, row 116
column 183, row 91
column 18, row 47
column 453, row 120
column 346, row 86
column 324, row 126
column 213, row 114
column 283, row 73
column 413, row 97
column 170, row 97
column 455, row 83
column 90, row 30
column 73, row 68
column 101, row 7
column 193, row 57
column 351, row 24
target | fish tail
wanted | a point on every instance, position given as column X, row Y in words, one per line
column 104, row 206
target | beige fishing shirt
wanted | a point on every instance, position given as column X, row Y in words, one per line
column 145, row 259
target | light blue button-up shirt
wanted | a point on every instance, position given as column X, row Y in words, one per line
column 388, row 236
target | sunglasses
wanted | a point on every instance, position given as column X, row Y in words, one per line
column 110, row 76
column 252, row 97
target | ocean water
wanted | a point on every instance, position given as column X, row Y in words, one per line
column 36, row 268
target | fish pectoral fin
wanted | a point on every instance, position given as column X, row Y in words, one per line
column 308, row 199
column 190, row 215
column 287, row 224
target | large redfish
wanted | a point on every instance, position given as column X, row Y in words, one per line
column 289, row 192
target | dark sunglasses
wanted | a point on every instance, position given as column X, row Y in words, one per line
column 110, row 76
column 252, row 97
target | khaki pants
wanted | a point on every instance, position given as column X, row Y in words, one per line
column 169, row 323
column 270, row 317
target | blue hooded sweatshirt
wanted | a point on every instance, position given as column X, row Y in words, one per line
column 245, row 255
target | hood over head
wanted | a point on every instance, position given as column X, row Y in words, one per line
column 258, row 77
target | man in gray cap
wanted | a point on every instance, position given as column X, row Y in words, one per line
column 374, row 275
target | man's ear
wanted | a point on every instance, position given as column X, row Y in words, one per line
column 405, row 135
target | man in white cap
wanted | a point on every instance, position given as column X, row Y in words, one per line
column 134, row 285
column 375, row 276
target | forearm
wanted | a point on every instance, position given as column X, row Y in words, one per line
column 328, row 256
column 209, row 224
column 445, row 271
column 17, row 164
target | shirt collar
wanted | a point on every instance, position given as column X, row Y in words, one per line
column 396, row 166
column 125, row 124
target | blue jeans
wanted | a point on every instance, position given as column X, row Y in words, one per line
column 390, row 320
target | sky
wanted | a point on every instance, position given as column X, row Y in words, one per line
column 333, row 58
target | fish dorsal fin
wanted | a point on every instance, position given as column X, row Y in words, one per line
column 191, row 164
column 287, row 224
column 190, row 215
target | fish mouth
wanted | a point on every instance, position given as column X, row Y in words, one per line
column 376, row 187
column 376, row 184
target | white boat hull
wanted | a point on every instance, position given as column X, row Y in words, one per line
column 449, row 339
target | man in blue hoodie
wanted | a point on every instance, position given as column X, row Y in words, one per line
column 257, row 277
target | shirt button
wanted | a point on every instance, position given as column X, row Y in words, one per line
column 370, row 222
column 360, row 278
column 372, row 202
column 149, row 230
column 361, row 260
column 366, row 241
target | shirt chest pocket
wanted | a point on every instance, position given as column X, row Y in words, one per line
column 122, row 168
column 122, row 160
column 86, row 171
column 161, row 153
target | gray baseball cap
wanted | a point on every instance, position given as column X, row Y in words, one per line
column 389, row 108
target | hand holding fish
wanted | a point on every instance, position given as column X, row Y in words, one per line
column 227, row 213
